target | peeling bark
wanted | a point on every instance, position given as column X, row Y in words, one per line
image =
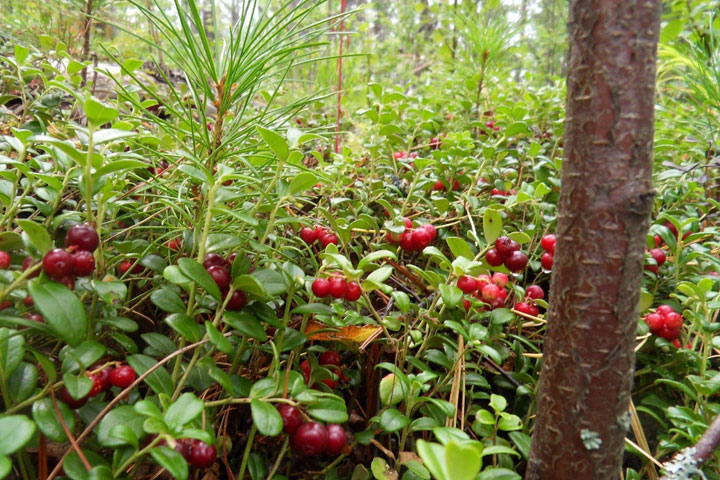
column 603, row 218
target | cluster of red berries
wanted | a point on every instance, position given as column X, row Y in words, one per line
column 507, row 252
column 547, row 243
column 331, row 360
column 413, row 238
column 528, row 307
column 403, row 154
column 76, row 260
column 502, row 193
column 311, row 439
column 219, row 269
column 490, row 290
column 666, row 323
column 659, row 257
column 122, row 377
column 337, row 287
column 319, row 233
column 196, row 452
column 439, row 186
column 491, row 125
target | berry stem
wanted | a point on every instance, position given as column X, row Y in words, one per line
column 246, row 455
column 87, row 173
column 283, row 449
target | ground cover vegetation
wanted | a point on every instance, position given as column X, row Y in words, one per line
column 214, row 265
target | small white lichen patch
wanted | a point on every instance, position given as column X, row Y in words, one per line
column 591, row 440
column 625, row 420
column 683, row 466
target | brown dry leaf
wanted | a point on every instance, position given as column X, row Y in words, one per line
column 353, row 333
column 406, row 457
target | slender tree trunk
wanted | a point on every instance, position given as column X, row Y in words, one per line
column 86, row 38
column 603, row 218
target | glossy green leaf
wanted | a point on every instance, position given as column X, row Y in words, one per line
column 276, row 143
column 122, row 415
column 18, row 431
column 99, row 113
column 392, row 420
column 43, row 412
column 61, row 309
column 266, row 418
column 492, row 226
column 159, row 380
column 193, row 270
column 184, row 410
column 171, row 461
column 460, row 248
column 36, row 235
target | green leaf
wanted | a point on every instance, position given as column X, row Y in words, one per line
column 266, row 418
column 21, row 54
column 328, row 409
column 275, row 142
column 22, row 429
column 131, row 64
column 82, row 356
column 185, row 326
column 197, row 273
column 218, row 339
column 171, row 461
column 522, row 442
column 12, row 349
column 5, row 466
column 392, row 420
column 250, row 285
column 460, row 248
column 381, row 470
column 433, row 457
column 122, row 415
column 302, row 182
column 167, row 300
column 246, row 324
column 10, row 241
column 36, row 235
column 99, row 113
column 463, row 462
column 159, row 380
column 492, row 225
column 61, row 309
column 498, row 403
column 43, row 412
column 23, row 382
column 78, row 386
column 313, row 308
column 500, row 316
column 273, row 282
column 125, row 434
column 498, row 474
column 451, row 295
column 367, row 259
column 184, row 410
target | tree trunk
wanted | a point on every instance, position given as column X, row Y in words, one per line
column 603, row 218
column 87, row 30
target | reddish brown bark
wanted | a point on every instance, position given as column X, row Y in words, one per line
column 603, row 218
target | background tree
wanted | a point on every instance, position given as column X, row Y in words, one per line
column 603, row 218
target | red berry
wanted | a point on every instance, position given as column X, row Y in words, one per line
column 652, row 268
column 321, row 287
column 130, row 265
column 27, row 263
column 173, row 244
column 28, row 301
column 309, row 235
column 214, row 260
column 305, row 367
column 534, row 311
column 291, row 417
column 71, row 402
column 664, row 310
column 523, row 307
column 336, row 439
column 231, row 259
column 310, row 439
column 456, row 185
column 420, row 238
column 497, row 303
column 35, row 317
column 673, row 320
column 202, row 455
column 516, row 261
column 354, row 291
column 5, row 304
column 122, row 376
column 483, row 280
column 68, row 281
column 430, row 228
column 408, row 223
column 328, row 239
column 331, row 382
column 491, row 292
column 500, row 279
column 406, row 242
column 658, row 240
column 676, row 342
column 547, row 260
column 237, row 301
column 4, row 260
column 654, row 321
column 494, row 258
column 57, row 263
column 221, row 277
column 438, row 186
column 329, row 357
column 658, row 255
column 83, row 236
column 183, row 446
column 338, row 287
column 548, row 243
column 83, row 263
column 534, row 292
column 101, row 381
column 505, row 245
column 466, row 303
column 467, row 284
column 672, row 228
column 669, row 333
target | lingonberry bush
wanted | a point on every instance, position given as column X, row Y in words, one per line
column 193, row 281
